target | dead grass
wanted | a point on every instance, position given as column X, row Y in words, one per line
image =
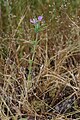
column 53, row 91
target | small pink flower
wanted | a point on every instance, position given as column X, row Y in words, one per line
column 40, row 18
column 34, row 21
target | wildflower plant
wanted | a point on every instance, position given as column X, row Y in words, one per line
column 36, row 23
column 37, row 28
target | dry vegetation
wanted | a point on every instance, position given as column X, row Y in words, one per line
column 52, row 91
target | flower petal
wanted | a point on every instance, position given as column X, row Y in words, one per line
column 40, row 18
column 34, row 21
column 31, row 21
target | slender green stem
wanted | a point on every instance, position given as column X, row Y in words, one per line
column 32, row 59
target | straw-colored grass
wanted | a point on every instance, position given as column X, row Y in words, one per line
column 40, row 75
